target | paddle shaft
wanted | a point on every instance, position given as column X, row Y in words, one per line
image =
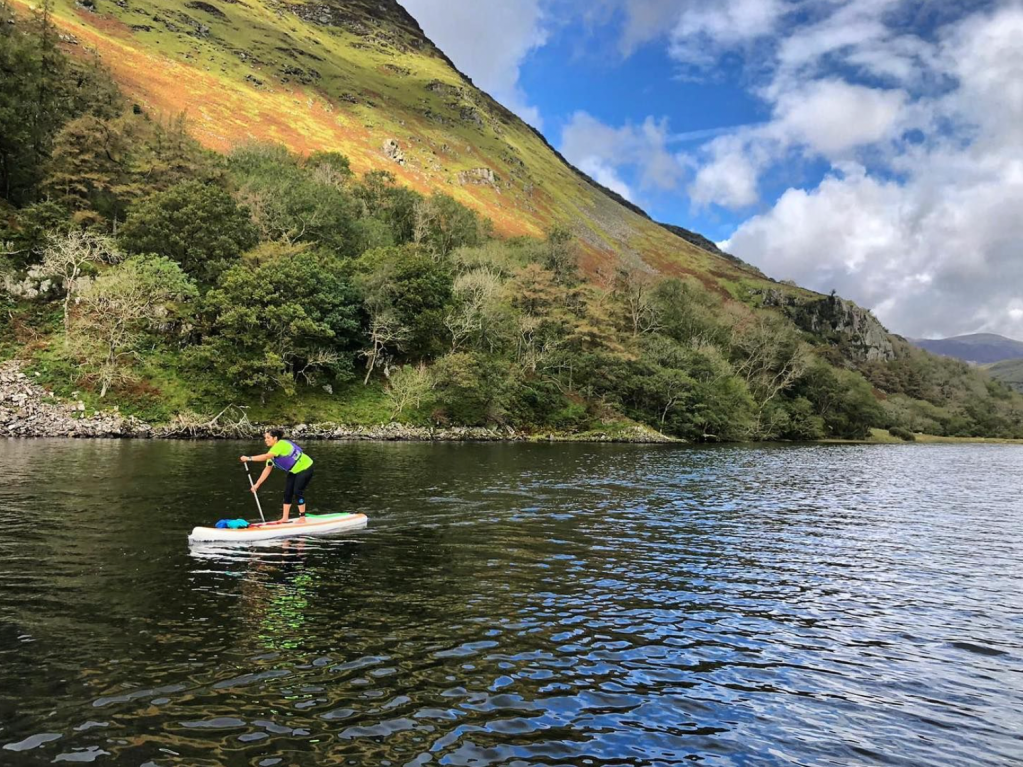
column 254, row 494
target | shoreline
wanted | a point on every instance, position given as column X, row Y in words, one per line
column 30, row 411
column 882, row 437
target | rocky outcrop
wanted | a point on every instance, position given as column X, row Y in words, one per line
column 858, row 333
column 29, row 410
column 207, row 8
column 467, row 113
column 479, row 176
column 392, row 149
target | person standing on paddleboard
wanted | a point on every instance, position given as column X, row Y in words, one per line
column 289, row 457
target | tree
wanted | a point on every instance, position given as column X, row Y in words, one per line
column 40, row 90
column 165, row 154
column 71, row 255
column 478, row 315
column 330, row 168
column 391, row 205
column 559, row 255
column 770, row 357
column 687, row 312
column 544, row 316
column 409, row 385
column 292, row 204
column 632, row 293
column 473, row 388
column 117, row 309
column 269, row 322
column 408, row 294
column 89, row 170
column 441, row 224
column 387, row 336
column 196, row 224
column 843, row 399
column 29, row 227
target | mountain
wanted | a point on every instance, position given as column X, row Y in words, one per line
column 975, row 347
column 1009, row 371
column 384, row 301
column 360, row 77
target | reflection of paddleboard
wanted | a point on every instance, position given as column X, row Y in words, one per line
column 312, row 524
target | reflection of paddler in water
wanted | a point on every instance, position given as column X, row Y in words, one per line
column 285, row 455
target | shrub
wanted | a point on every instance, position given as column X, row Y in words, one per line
column 904, row 434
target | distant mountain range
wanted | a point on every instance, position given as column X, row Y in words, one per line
column 982, row 348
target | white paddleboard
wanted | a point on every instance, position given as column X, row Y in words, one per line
column 311, row 524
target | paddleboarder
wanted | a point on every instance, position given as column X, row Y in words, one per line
column 287, row 456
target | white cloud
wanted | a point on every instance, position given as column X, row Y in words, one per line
column 929, row 236
column 985, row 54
column 827, row 118
column 929, row 260
column 832, row 116
column 646, row 20
column 488, row 43
column 602, row 151
column 703, row 29
column 729, row 178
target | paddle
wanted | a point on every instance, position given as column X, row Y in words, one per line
column 254, row 495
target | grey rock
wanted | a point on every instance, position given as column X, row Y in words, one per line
column 837, row 320
column 392, row 149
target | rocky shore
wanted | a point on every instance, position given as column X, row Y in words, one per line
column 28, row 409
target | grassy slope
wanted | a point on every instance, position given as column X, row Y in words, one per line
column 1010, row 371
column 258, row 69
column 882, row 437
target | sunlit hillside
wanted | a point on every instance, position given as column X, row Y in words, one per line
column 361, row 78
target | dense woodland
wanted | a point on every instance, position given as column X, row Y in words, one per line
column 139, row 269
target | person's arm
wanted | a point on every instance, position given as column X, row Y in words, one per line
column 262, row 477
column 264, row 457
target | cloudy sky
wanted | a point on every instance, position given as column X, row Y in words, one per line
column 874, row 147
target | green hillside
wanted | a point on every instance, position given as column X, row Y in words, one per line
column 360, row 77
column 303, row 213
column 1009, row 372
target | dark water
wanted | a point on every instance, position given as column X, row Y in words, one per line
column 514, row 605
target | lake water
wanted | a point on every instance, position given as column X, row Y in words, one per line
column 516, row 605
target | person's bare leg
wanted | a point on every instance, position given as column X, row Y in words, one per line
column 287, row 511
column 301, row 512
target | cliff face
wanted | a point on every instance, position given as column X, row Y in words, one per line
column 842, row 322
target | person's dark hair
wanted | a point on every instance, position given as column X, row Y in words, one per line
column 278, row 433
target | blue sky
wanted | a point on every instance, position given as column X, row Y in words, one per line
column 570, row 74
column 874, row 147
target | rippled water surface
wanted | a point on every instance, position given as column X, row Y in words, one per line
column 514, row 605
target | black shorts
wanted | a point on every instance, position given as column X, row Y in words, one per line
column 295, row 485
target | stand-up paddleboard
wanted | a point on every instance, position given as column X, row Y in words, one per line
column 311, row 524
